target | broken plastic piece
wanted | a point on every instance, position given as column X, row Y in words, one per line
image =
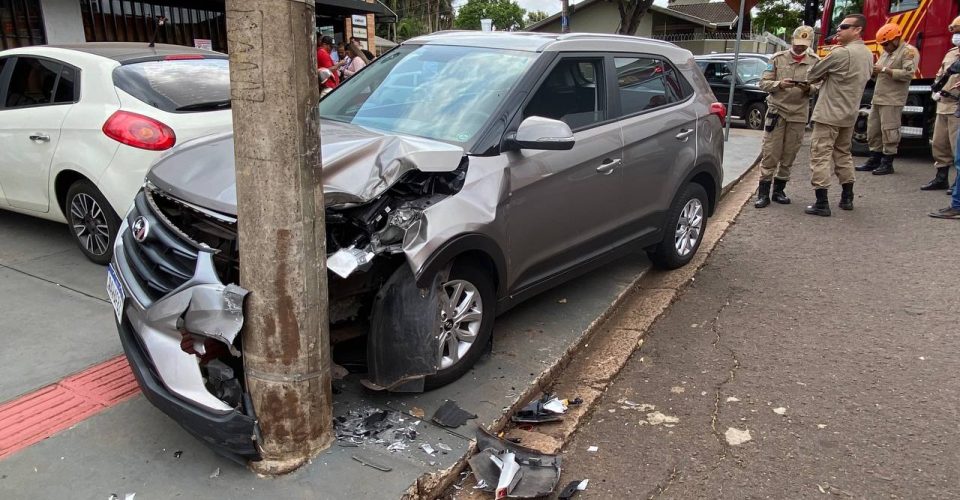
column 593, row 449
column 451, row 415
column 397, row 446
column 345, row 261
column 428, row 449
column 538, row 474
column 569, row 490
column 535, row 412
column 555, row 406
column 215, row 473
column 444, row 447
column 509, row 474
column 583, row 484
column 382, row 468
column 178, row 454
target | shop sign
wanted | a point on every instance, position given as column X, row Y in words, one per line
column 358, row 20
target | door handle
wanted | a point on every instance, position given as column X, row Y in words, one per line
column 684, row 134
column 608, row 166
column 38, row 137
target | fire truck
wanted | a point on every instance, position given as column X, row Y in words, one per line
column 924, row 25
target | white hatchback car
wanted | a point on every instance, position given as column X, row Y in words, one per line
column 80, row 125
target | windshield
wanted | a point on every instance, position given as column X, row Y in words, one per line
column 439, row 92
column 750, row 70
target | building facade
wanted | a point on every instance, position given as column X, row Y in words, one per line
column 196, row 23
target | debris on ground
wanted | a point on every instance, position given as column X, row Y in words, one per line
column 363, row 461
column 677, row 389
column 427, row 449
column 572, row 488
column 626, row 404
column 444, row 447
column 416, row 412
column 375, row 426
column 736, row 436
column 178, row 454
column 780, row 411
column 536, row 474
column 732, row 399
column 592, row 449
column 215, row 474
column 562, row 301
column 821, row 426
column 657, row 418
column 451, row 415
column 546, row 409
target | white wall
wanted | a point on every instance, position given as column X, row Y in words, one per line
column 62, row 21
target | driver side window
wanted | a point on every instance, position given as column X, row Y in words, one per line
column 573, row 92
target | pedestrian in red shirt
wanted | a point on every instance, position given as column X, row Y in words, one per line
column 325, row 61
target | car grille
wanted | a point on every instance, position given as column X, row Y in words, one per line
column 167, row 257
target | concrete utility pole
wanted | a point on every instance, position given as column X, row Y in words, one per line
column 565, row 16
column 286, row 346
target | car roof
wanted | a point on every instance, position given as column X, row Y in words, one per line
column 729, row 57
column 530, row 41
column 124, row 52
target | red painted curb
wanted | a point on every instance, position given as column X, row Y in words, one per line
column 33, row 417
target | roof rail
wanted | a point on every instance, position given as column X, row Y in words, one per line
column 568, row 36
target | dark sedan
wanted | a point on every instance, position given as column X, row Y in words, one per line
column 749, row 102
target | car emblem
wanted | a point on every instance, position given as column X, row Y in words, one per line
column 141, row 228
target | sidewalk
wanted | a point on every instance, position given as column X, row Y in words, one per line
column 131, row 447
column 831, row 340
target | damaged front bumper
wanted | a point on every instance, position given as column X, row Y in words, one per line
column 175, row 346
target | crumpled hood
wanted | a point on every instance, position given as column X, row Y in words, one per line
column 358, row 165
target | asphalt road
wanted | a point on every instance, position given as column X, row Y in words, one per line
column 833, row 341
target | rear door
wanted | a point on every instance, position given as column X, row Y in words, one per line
column 38, row 95
column 567, row 207
column 659, row 128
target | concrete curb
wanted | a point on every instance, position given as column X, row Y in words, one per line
column 586, row 370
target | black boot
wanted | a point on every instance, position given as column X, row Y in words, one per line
column 886, row 166
column 939, row 182
column 822, row 206
column 872, row 163
column 763, row 195
column 846, row 196
column 778, row 195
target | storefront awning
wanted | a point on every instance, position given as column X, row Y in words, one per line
column 354, row 6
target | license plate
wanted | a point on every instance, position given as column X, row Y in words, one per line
column 115, row 292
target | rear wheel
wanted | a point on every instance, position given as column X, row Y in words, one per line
column 683, row 229
column 756, row 113
column 93, row 223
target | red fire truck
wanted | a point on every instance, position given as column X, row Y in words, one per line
column 924, row 25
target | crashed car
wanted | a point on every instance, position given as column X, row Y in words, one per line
column 463, row 173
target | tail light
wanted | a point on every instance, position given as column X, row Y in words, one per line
column 139, row 131
column 721, row 111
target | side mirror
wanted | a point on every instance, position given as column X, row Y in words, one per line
column 537, row 132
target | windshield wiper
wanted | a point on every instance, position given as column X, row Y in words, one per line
column 205, row 106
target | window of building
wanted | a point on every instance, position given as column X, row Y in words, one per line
column 194, row 24
column 572, row 92
column 21, row 24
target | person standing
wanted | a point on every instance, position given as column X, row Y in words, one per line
column 357, row 60
column 894, row 72
column 325, row 45
column 844, row 73
column 788, row 107
column 953, row 210
column 946, row 125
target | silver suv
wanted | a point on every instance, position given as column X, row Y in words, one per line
column 463, row 173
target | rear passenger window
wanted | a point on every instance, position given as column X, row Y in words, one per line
column 66, row 86
column 573, row 93
column 32, row 82
column 647, row 83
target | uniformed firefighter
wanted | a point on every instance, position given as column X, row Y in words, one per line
column 844, row 73
column 946, row 125
column 893, row 72
column 788, row 108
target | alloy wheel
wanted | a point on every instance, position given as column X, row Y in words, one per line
column 461, row 313
column 689, row 227
column 755, row 119
column 89, row 223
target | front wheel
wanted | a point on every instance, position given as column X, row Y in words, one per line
column 93, row 223
column 683, row 229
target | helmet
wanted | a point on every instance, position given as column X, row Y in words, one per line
column 803, row 36
column 888, row 32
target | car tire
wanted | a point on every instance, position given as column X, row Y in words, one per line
column 93, row 223
column 484, row 299
column 756, row 114
column 691, row 202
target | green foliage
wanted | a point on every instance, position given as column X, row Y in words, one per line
column 535, row 16
column 506, row 14
column 409, row 27
column 780, row 17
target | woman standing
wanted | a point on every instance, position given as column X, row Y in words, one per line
column 357, row 60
